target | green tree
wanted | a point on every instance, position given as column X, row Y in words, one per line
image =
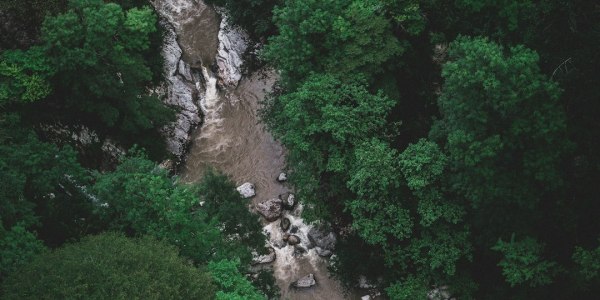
column 17, row 247
column 24, row 76
column 141, row 199
column 320, row 123
column 378, row 213
column 231, row 283
column 501, row 124
column 522, row 262
column 98, row 51
column 423, row 166
column 344, row 37
column 407, row 14
column 588, row 263
column 110, row 266
column 409, row 289
column 41, row 186
column 220, row 200
column 256, row 16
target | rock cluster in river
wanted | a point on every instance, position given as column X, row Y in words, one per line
column 183, row 57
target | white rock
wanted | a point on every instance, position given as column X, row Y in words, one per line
column 282, row 177
column 366, row 297
column 232, row 45
column 265, row 258
column 246, row 190
column 180, row 92
column 305, row 282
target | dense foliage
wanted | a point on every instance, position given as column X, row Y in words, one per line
column 110, row 266
column 91, row 66
column 476, row 183
column 452, row 145
column 89, row 62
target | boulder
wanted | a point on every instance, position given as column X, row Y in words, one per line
column 288, row 199
column 322, row 238
column 282, row 177
column 178, row 91
column 294, row 229
column 285, row 237
column 293, row 240
column 246, row 190
column 305, row 282
column 323, row 252
column 232, row 45
column 265, row 258
column 285, row 224
column 366, row 297
column 270, row 209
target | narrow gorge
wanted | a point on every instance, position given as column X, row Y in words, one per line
column 218, row 126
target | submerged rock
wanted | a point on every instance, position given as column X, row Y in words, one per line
column 288, row 199
column 246, row 190
column 305, row 282
column 282, row 177
column 270, row 209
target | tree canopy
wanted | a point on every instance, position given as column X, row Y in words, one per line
column 110, row 266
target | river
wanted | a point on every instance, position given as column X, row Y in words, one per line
column 232, row 139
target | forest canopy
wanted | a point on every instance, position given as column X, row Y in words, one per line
column 451, row 145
